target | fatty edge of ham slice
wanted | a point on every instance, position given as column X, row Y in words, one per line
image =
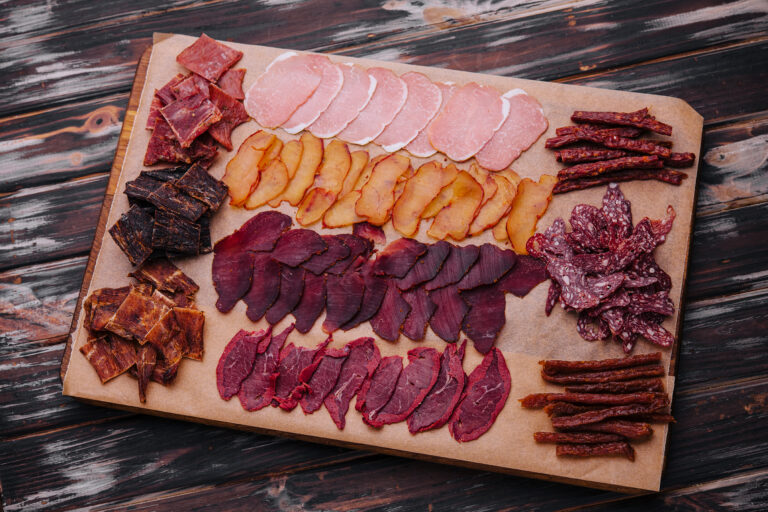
column 286, row 84
column 420, row 146
column 523, row 126
column 331, row 82
column 421, row 105
column 387, row 100
column 470, row 118
column 355, row 93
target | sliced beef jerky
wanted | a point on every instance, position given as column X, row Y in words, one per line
column 427, row 267
column 208, row 58
column 261, row 232
column 99, row 354
column 344, row 295
column 173, row 234
column 200, row 185
column 296, row 246
column 398, row 257
column 527, row 273
column 437, row 407
column 370, row 232
column 257, row 390
column 165, row 93
column 291, row 288
column 236, row 362
column 265, row 286
column 133, row 234
column 320, row 378
column 154, row 111
column 165, row 276
column 454, row 267
column 448, row 317
column 191, row 85
column 231, row 82
column 191, row 323
column 360, row 364
column 422, row 309
column 205, row 246
column 124, row 352
column 391, row 314
column 101, row 305
column 137, row 314
column 232, row 272
column 167, row 338
column 233, row 114
column 145, row 367
column 379, row 387
column 486, row 316
column 336, row 251
column 190, row 117
column 288, row 388
column 171, row 199
column 163, row 146
column 492, row 263
column 311, row 304
column 375, row 289
column 164, row 372
column 359, row 250
column 141, row 188
column 167, row 174
column 484, row 396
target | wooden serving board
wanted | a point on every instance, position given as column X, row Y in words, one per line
column 527, row 337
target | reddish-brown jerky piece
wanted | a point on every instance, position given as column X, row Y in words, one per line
column 648, row 147
column 233, row 114
column 568, row 409
column 575, row 437
column 649, row 385
column 622, row 448
column 591, row 169
column 190, row 117
column 585, row 418
column 597, row 398
column 637, row 119
column 607, row 376
column 208, row 58
column 623, row 132
column 680, row 159
column 579, row 155
column 628, row 429
column 554, row 366
column 665, row 175
column 231, row 83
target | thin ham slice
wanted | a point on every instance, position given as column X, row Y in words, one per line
column 420, row 146
column 387, row 100
column 330, row 85
column 355, row 93
column 470, row 118
column 287, row 83
column 524, row 124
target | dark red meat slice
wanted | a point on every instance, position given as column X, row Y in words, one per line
column 261, row 232
column 233, row 114
column 191, row 85
column 257, row 390
column 336, row 251
column 232, row 272
column 343, row 297
column 163, row 146
column 485, row 395
column 379, row 387
column 375, row 289
column 265, row 286
column 650, row 330
column 208, row 58
column 391, row 315
column 449, row 315
column 617, row 212
column 298, row 245
column 291, row 288
column 236, row 362
column 437, row 407
column 621, row 448
column 359, row 250
column 231, row 82
column 422, row 308
column 490, row 266
column 370, row 232
column 427, row 267
column 527, row 273
column 455, row 266
column 145, row 366
column 320, row 378
column 165, row 93
column 360, row 364
column 293, row 359
column 590, row 229
column 154, row 111
column 311, row 304
column 398, row 257
column 190, row 117
column 486, row 316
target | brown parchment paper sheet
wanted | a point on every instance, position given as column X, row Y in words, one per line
column 527, row 337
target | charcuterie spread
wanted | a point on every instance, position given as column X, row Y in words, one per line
column 389, row 243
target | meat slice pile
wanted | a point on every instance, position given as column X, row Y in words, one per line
column 145, row 328
column 606, row 404
column 605, row 270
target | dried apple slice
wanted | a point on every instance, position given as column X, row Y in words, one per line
column 272, row 153
column 441, row 200
column 356, row 168
column 528, row 206
column 500, row 230
column 454, row 220
column 328, row 183
column 492, row 211
column 419, row 191
column 291, row 156
column 242, row 172
column 378, row 195
column 484, row 178
column 311, row 157
column 273, row 180
column 342, row 213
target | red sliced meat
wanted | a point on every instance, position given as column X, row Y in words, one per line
column 398, row 257
column 298, row 245
column 233, row 114
column 355, row 93
column 231, row 82
column 311, row 304
column 379, row 387
column 359, row 250
column 165, row 93
column 490, row 266
column 455, row 266
column 257, row 390
column 190, row 117
column 208, row 58
column 291, row 289
column 486, row 393
column 190, row 86
column 265, row 286
column 421, row 105
column 422, row 308
column 344, row 294
column 360, row 364
column 391, row 314
column 370, row 232
column 437, row 407
column 154, row 111
column 331, row 81
column 232, row 272
column 427, row 267
column 288, row 388
column 420, row 146
column 527, row 273
column 486, row 316
column 375, row 289
column 236, row 362
column 260, row 232
column 336, row 251
column 449, row 315
column 320, row 378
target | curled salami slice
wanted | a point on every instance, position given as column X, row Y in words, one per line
column 638, row 119
column 370, row 232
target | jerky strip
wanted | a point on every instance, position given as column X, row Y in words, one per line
column 628, row 429
column 590, row 169
column 664, row 175
column 588, row 417
column 656, row 417
column 622, row 448
column 554, row 366
column 638, row 119
column 575, row 437
column 646, row 146
column 537, row 401
column 650, row 385
column 567, row 409
column 622, row 131
column 680, row 159
column 607, row 376
column 579, row 155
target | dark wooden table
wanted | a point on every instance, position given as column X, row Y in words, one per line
column 66, row 71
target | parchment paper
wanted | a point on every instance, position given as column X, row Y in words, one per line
column 527, row 337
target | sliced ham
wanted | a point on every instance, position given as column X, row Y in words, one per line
column 355, row 93
column 470, row 118
column 421, row 105
column 331, row 81
column 524, row 124
column 420, row 146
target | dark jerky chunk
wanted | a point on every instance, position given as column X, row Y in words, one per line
column 296, row 246
column 628, row 429
column 233, row 114
column 265, row 286
column 379, row 387
column 585, row 418
column 206, row 245
column 165, row 93
column 649, row 385
column 492, row 263
column 422, row 308
column 579, row 155
column 208, row 58
column 171, row 199
column 320, row 378
column 590, row 169
column 231, row 82
column 288, row 388
column 174, row 234
column 398, row 257
column 427, row 267
column 257, row 390
column 622, row 131
column 638, row 119
column 191, row 85
column 166, row 174
column 359, row 365
column 486, row 316
column 232, row 272
column 359, row 249
column 553, row 294
column 191, row 323
column 136, row 315
column 101, row 305
column 449, row 315
column 190, row 117
column 200, row 185
column 145, row 367
column 99, row 354
column 311, row 304
column 375, row 289
column 554, row 366
column 167, row 338
column 665, row 175
column 370, row 232
column 291, row 289
column 391, row 314
column 680, row 159
column 154, row 111
column 133, row 234
column 527, row 273
column 336, row 250
column 621, row 448
column 575, row 437
column 236, row 362
column 344, row 295
column 652, row 331
column 141, row 188
column 605, row 376
column 455, row 266
column 165, row 276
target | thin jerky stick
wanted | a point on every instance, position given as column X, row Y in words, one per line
column 566, row 409
column 680, row 159
column 646, row 146
column 535, row 401
column 607, row 376
column 554, row 366
column 605, row 399
column 595, row 450
column 586, row 418
column 623, row 132
column 656, row 417
column 590, row 169
column 628, row 429
column 580, row 155
column 664, row 175
column 638, row 119
column 575, row 437
column 649, row 385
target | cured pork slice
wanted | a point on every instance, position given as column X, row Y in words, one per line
column 190, row 117
column 312, row 302
column 420, row 146
column 379, row 387
column 359, row 250
column 320, row 378
column 336, row 251
column 387, row 100
column 447, row 319
column 233, row 114
column 375, row 289
column 486, row 316
column 492, row 263
column 455, row 266
column 332, row 78
column 422, row 309
column 231, row 82
column 145, row 367
column 344, row 294
column 437, row 407
column 298, row 245
column 413, row 384
column 370, row 232
column 208, row 58
column 359, row 365
column 485, row 395
column 421, row 105
column 236, row 362
column 257, row 390
column 427, row 267
column 527, row 273
column 265, row 286
column 286, row 84
column 293, row 359
column 391, row 314
column 398, row 257
column 355, row 93
column 481, row 110
column 291, row 289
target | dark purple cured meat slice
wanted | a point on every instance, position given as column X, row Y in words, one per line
column 291, row 288
column 236, row 362
column 398, row 257
column 553, row 242
column 413, row 384
column 454, row 267
column 298, row 245
column 486, row 316
column 265, row 286
column 288, row 388
column 422, row 308
column 437, row 407
column 257, row 390
column 260, row 233
column 379, row 387
column 659, row 302
column 320, row 378
column 359, row 248
column 490, row 266
column 527, row 273
column 590, row 229
column 592, row 329
column 375, row 289
column 360, row 364
column 485, row 395
column 232, row 272
column 645, row 266
column 336, row 251
column 370, row 232
column 312, row 302
column 650, row 330
column 343, row 296
column 449, row 315
column 427, row 267
column 618, row 214
column 391, row 315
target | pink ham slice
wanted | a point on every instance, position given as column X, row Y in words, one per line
column 386, row 102
column 355, row 93
column 286, row 84
column 420, row 146
column 330, row 85
column 420, row 107
column 468, row 121
column 524, row 124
